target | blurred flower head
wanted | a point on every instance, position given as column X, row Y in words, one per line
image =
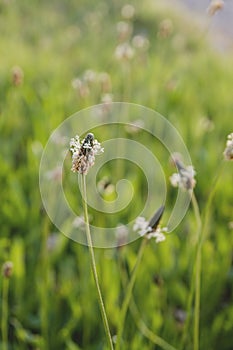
column 52, row 241
column 228, row 152
column 79, row 222
column 230, row 225
column 165, row 28
column 143, row 228
column 172, row 85
column 140, row 42
column 185, row 176
column 124, row 30
column 84, row 152
column 107, row 98
column 128, row 11
column 122, row 233
column 215, row 6
column 124, row 52
column 206, row 124
column 90, row 76
column 105, row 186
column 7, row 269
column 135, row 126
column 55, row 174
column 180, row 315
column 81, row 86
column 59, row 139
column 17, row 75
column 105, row 82
column 37, row 148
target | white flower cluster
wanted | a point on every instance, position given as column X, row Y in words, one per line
column 215, row 6
column 84, row 152
column 124, row 52
column 228, row 152
column 184, row 178
column 143, row 228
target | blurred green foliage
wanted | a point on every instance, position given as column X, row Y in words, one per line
column 44, row 47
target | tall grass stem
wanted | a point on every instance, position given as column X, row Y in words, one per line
column 44, row 285
column 128, row 294
column 198, row 260
column 5, row 291
column 202, row 223
column 93, row 264
column 150, row 335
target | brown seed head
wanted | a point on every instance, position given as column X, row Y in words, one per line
column 7, row 269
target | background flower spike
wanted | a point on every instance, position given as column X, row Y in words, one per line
column 154, row 221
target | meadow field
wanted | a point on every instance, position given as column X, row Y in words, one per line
column 58, row 58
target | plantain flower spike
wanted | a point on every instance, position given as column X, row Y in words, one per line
column 228, row 152
column 84, row 152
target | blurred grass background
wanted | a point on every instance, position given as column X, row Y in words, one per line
column 58, row 57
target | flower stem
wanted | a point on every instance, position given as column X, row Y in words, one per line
column 93, row 265
column 195, row 284
column 5, row 289
column 154, row 338
column 128, row 294
column 207, row 210
column 202, row 234
column 44, row 285
column 198, row 260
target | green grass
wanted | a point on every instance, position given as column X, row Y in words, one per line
column 52, row 302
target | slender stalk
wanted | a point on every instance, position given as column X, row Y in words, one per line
column 154, row 338
column 202, row 233
column 5, row 289
column 197, row 214
column 129, row 294
column 44, row 285
column 189, row 308
column 196, row 329
column 195, row 285
column 206, row 213
column 93, row 265
column 197, row 275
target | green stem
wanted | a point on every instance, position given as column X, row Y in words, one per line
column 44, row 285
column 93, row 265
column 206, row 213
column 195, row 283
column 129, row 294
column 197, row 275
column 138, row 320
column 197, row 215
column 197, row 299
column 202, row 233
column 189, row 309
column 196, row 271
column 153, row 337
column 5, row 289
